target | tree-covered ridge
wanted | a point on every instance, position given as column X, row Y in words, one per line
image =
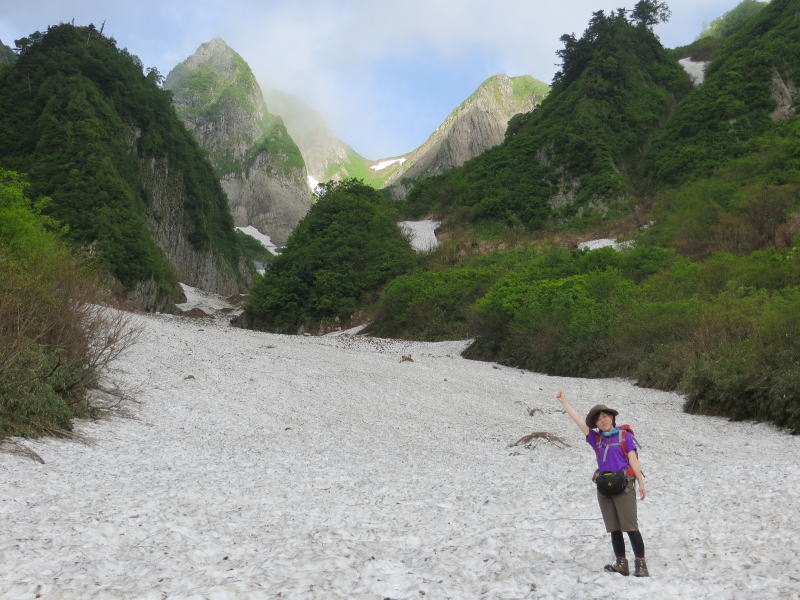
column 724, row 26
column 748, row 87
column 576, row 153
column 344, row 250
column 217, row 84
column 78, row 116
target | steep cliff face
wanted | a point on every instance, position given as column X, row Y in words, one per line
column 265, row 196
column 478, row 124
column 198, row 267
column 260, row 167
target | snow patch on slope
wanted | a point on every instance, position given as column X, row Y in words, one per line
column 605, row 243
column 387, row 163
column 695, row 68
column 422, row 234
column 261, row 237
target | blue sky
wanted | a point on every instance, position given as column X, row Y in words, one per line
column 383, row 74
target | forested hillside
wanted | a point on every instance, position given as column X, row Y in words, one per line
column 578, row 153
column 341, row 254
column 90, row 130
column 706, row 301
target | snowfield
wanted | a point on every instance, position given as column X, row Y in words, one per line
column 421, row 234
column 268, row 466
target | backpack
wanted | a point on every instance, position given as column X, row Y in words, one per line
column 624, row 431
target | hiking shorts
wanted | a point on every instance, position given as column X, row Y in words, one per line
column 619, row 512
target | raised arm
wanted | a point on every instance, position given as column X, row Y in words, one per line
column 572, row 413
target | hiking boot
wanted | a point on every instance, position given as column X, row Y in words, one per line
column 640, row 567
column 621, row 566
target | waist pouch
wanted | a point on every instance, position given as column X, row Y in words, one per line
column 611, row 483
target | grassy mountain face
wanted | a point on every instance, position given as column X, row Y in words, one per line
column 577, row 153
column 750, row 89
column 214, row 83
column 97, row 136
column 260, row 167
column 477, row 124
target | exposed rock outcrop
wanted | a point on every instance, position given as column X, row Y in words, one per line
column 266, row 197
column 784, row 92
column 259, row 165
column 198, row 268
column 478, row 124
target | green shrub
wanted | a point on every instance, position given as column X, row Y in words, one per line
column 54, row 341
column 754, row 376
column 342, row 252
column 559, row 326
column 431, row 306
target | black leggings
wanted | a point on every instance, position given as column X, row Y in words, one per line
column 618, row 542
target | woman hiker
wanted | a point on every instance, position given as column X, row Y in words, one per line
column 619, row 511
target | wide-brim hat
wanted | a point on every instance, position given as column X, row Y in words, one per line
column 591, row 418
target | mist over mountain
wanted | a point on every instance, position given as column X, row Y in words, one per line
column 326, row 156
column 476, row 125
column 259, row 165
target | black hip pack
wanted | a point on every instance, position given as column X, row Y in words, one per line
column 611, row 483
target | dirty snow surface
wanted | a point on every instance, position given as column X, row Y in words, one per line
column 695, row 68
column 268, row 466
column 260, row 237
column 422, row 234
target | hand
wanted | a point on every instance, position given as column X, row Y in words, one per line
column 560, row 396
column 642, row 492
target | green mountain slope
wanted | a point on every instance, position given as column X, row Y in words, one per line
column 706, row 302
column 326, row 156
column 260, row 167
column 750, row 88
column 102, row 140
column 577, row 153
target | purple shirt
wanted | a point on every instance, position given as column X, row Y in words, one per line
column 613, row 459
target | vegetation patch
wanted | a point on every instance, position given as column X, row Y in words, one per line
column 77, row 115
column 55, row 341
column 342, row 252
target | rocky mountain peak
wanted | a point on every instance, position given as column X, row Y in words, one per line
column 476, row 125
column 260, row 167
